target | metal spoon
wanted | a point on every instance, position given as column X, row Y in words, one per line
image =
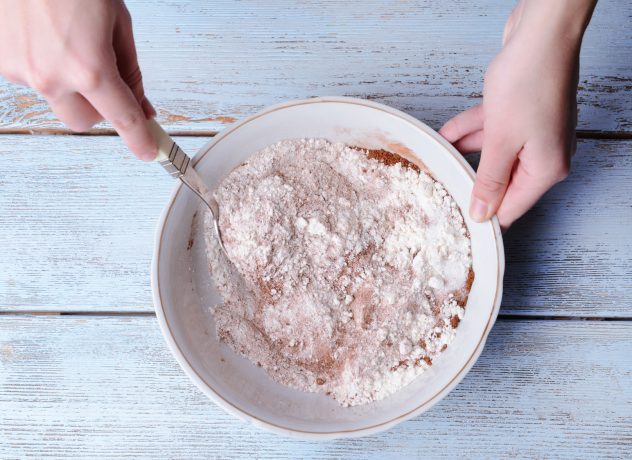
column 177, row 163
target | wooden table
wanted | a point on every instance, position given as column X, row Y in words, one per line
column 84, row 370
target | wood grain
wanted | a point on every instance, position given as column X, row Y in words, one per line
column 77, row 216
column 572, row 253
column 206, row 64
column 106, row 386
column 77, row 219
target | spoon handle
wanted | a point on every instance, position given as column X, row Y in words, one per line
column 176, row 162
column 170, row 155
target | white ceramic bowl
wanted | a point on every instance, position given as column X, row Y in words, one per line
column 182, row 288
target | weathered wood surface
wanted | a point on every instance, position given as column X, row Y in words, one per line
column 107, row 386
column 572, row 253
column 77, row 219
column 208, row 63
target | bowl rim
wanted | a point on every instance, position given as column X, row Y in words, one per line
column 281, row 429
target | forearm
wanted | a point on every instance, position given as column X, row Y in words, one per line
column 556, row 20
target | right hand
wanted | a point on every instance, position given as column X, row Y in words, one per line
column 525, row 126
column 80, row 55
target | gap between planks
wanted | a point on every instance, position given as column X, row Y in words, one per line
column 581, row 134
column 105, row 313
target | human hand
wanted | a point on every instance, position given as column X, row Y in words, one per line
column 526, row 123
column 80, row 55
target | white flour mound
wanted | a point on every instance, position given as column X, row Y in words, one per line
column 353, row 270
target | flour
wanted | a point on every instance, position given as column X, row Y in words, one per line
column 353, row 271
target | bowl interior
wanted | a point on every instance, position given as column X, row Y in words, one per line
column 183, row 290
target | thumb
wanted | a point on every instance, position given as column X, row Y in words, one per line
column 493, row 176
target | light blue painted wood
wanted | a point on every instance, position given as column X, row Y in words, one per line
column 107, row 386
column 206, row 63
column 572, row 253
column 77, row 219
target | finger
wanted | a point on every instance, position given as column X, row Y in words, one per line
column 127, row 60
column 525, row 189
column 520, row 197
column 75, row 111
column 115, row 101
column 135, row 83
column 462, row 124
column 492, row 177
column 470, row 143
column 148, row 109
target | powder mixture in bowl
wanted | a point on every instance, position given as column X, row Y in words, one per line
column 349, row 268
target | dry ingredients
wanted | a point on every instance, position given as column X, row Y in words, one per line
column 353, row 268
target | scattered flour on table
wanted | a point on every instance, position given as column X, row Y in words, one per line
column 352, row 272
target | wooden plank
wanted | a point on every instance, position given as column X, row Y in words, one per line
column 570, row 255
column 77, row 217
column 573, row 252
column 107, row 386
column 206, row 64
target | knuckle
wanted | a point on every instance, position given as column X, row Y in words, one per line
column 555, row 173
column 42, row 81
column 134, row 78
column 135, row 81
column 560, row 166
column 489, row 183
column 89, row 78
column 561, row 171
column 127, row 120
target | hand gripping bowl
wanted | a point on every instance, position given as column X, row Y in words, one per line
column 183, row 290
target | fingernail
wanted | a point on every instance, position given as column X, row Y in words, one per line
column 478, row 209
